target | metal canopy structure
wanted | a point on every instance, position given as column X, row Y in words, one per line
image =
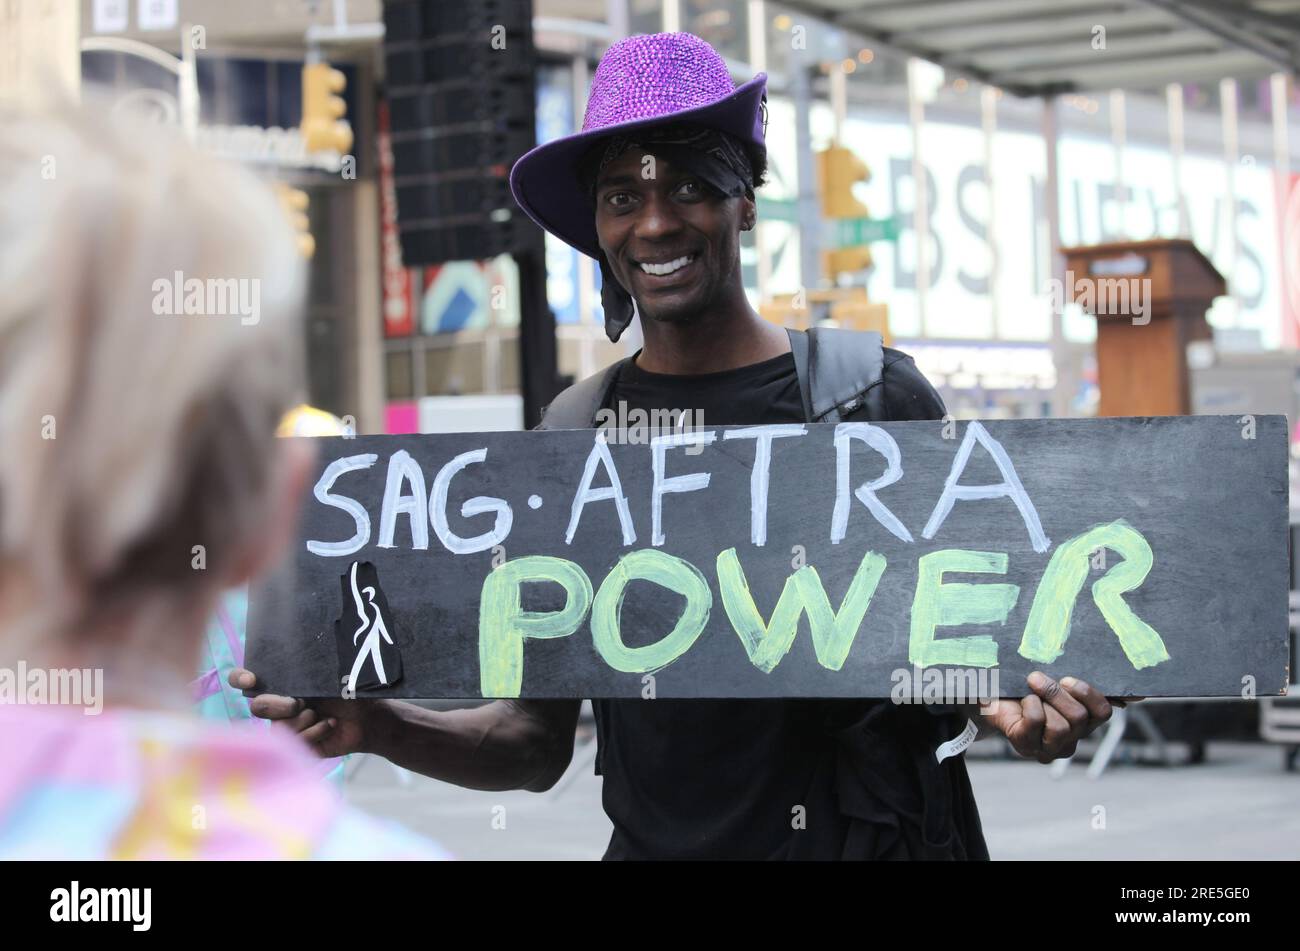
column 1047, row 47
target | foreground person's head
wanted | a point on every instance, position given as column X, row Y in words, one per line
column 149, row 343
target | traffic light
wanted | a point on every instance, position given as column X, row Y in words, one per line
column 837, row 171
column 294, row 203
column 323, row 127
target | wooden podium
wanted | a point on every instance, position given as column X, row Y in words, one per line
column 1150, row 299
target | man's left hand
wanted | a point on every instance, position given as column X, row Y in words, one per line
column 1050, row 722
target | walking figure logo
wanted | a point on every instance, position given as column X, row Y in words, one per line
column 367, row 651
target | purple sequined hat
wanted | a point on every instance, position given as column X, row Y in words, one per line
column 641, row 81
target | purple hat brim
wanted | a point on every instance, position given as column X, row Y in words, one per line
column 545, row 180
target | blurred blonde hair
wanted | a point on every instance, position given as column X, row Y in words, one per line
column 163, row 425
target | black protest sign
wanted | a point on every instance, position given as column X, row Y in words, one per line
column 1147, row 556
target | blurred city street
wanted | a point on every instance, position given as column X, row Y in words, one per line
column 1238, row 804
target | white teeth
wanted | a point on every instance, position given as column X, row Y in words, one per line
column 662, row 269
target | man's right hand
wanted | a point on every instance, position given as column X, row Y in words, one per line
column 505, row 744
column 330, row 727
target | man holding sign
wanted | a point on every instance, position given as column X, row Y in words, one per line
column 658, row 187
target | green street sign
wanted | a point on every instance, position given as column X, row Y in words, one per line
column 851, row 232
column 778, row 209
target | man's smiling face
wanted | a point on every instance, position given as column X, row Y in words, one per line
column 670, row 240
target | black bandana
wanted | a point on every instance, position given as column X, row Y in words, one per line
column 715, row 158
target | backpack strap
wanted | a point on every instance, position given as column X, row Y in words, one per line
column 839, row 372
column 576, row 407
column 799, row 350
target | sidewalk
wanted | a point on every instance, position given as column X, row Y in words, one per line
column 1238, row 804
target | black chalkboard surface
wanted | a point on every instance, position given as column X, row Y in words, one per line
column 1146, row 555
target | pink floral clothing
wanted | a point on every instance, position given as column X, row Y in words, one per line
column 149, row 785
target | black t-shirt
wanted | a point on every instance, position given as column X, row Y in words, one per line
column 721, row 779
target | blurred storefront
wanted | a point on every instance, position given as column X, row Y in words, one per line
column 978, row 309
column 247, row 59
column 972, row 313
